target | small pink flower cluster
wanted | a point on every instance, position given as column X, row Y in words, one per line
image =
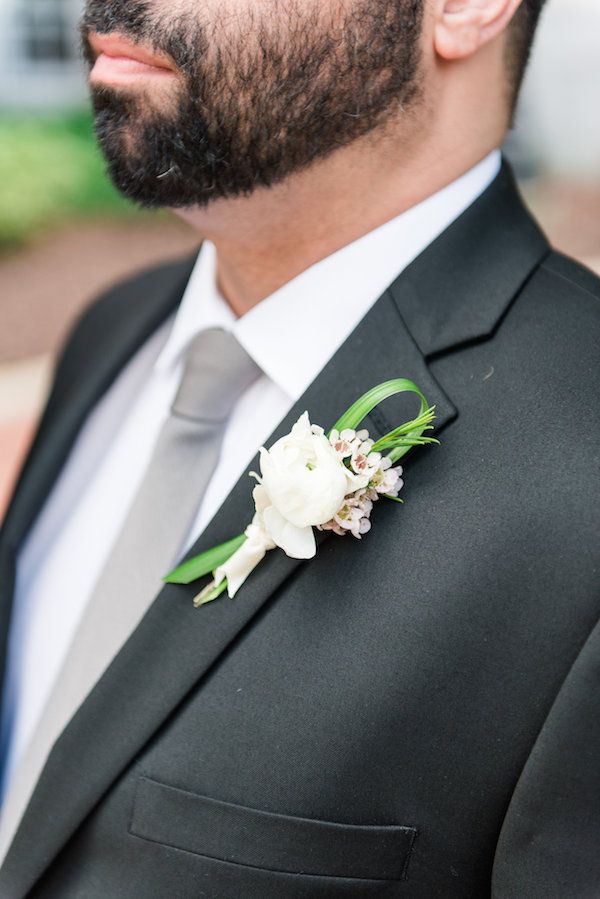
column 355, row 451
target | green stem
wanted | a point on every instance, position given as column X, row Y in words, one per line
column 205, row 563
column 201, row 600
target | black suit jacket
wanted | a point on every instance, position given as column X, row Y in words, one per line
column 416, row 715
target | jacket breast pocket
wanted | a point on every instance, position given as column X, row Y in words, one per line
column 283, row 843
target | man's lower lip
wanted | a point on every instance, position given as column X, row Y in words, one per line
column 123, row 68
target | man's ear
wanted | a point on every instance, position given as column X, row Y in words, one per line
column 463, row 26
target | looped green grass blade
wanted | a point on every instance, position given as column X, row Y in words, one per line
column 373, row 397
column 401, row 439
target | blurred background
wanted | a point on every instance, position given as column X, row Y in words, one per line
column 65, row 234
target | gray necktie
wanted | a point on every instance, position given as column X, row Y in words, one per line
column 216, row 372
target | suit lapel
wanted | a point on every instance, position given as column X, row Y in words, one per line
column 175, row 645
column 458, row 290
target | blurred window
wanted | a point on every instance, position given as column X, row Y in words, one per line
column 45, row 29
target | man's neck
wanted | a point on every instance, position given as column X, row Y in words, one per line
column 265, row 240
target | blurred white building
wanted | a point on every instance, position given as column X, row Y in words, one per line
column 39, row 56
column 558, row 123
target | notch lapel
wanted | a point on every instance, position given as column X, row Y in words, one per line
column 175, row 645
column 459, row 289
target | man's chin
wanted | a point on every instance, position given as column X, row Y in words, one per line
column 148, row 181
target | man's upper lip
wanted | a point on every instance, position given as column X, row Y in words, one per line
column 117, row 45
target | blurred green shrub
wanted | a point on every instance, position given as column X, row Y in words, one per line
column 51, row 170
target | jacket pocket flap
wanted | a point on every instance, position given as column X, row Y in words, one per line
column 247, row 836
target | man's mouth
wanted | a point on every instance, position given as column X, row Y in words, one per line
column 118, row 59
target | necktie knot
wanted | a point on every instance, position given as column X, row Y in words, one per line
column 217, row 370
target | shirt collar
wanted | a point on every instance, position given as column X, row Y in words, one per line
column 294, row 332
column 202, row 306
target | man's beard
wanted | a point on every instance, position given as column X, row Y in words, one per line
column 252, row 104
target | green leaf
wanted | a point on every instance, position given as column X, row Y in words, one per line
column 396, row 454
column 367, row 402
column 204, row 563
column 396, row 499
column 406, row 441
column 415, row 428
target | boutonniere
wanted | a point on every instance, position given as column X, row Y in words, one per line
column 312, row 479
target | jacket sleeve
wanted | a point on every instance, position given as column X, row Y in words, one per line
column 549, row 845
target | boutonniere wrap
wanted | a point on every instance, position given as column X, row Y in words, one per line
column 312, row 479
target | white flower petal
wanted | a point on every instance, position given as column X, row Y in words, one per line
column 245, row 559
column 302, row 427
column 261, row 498
column 296, row 542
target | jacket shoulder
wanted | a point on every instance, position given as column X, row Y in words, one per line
column 122, row 299
column 559, row 308
column 139, row 302
column 574, row 275
column 130, row 309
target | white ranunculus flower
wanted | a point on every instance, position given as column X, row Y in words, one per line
column 303, row 483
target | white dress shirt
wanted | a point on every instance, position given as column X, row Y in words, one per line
column 291, row 335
